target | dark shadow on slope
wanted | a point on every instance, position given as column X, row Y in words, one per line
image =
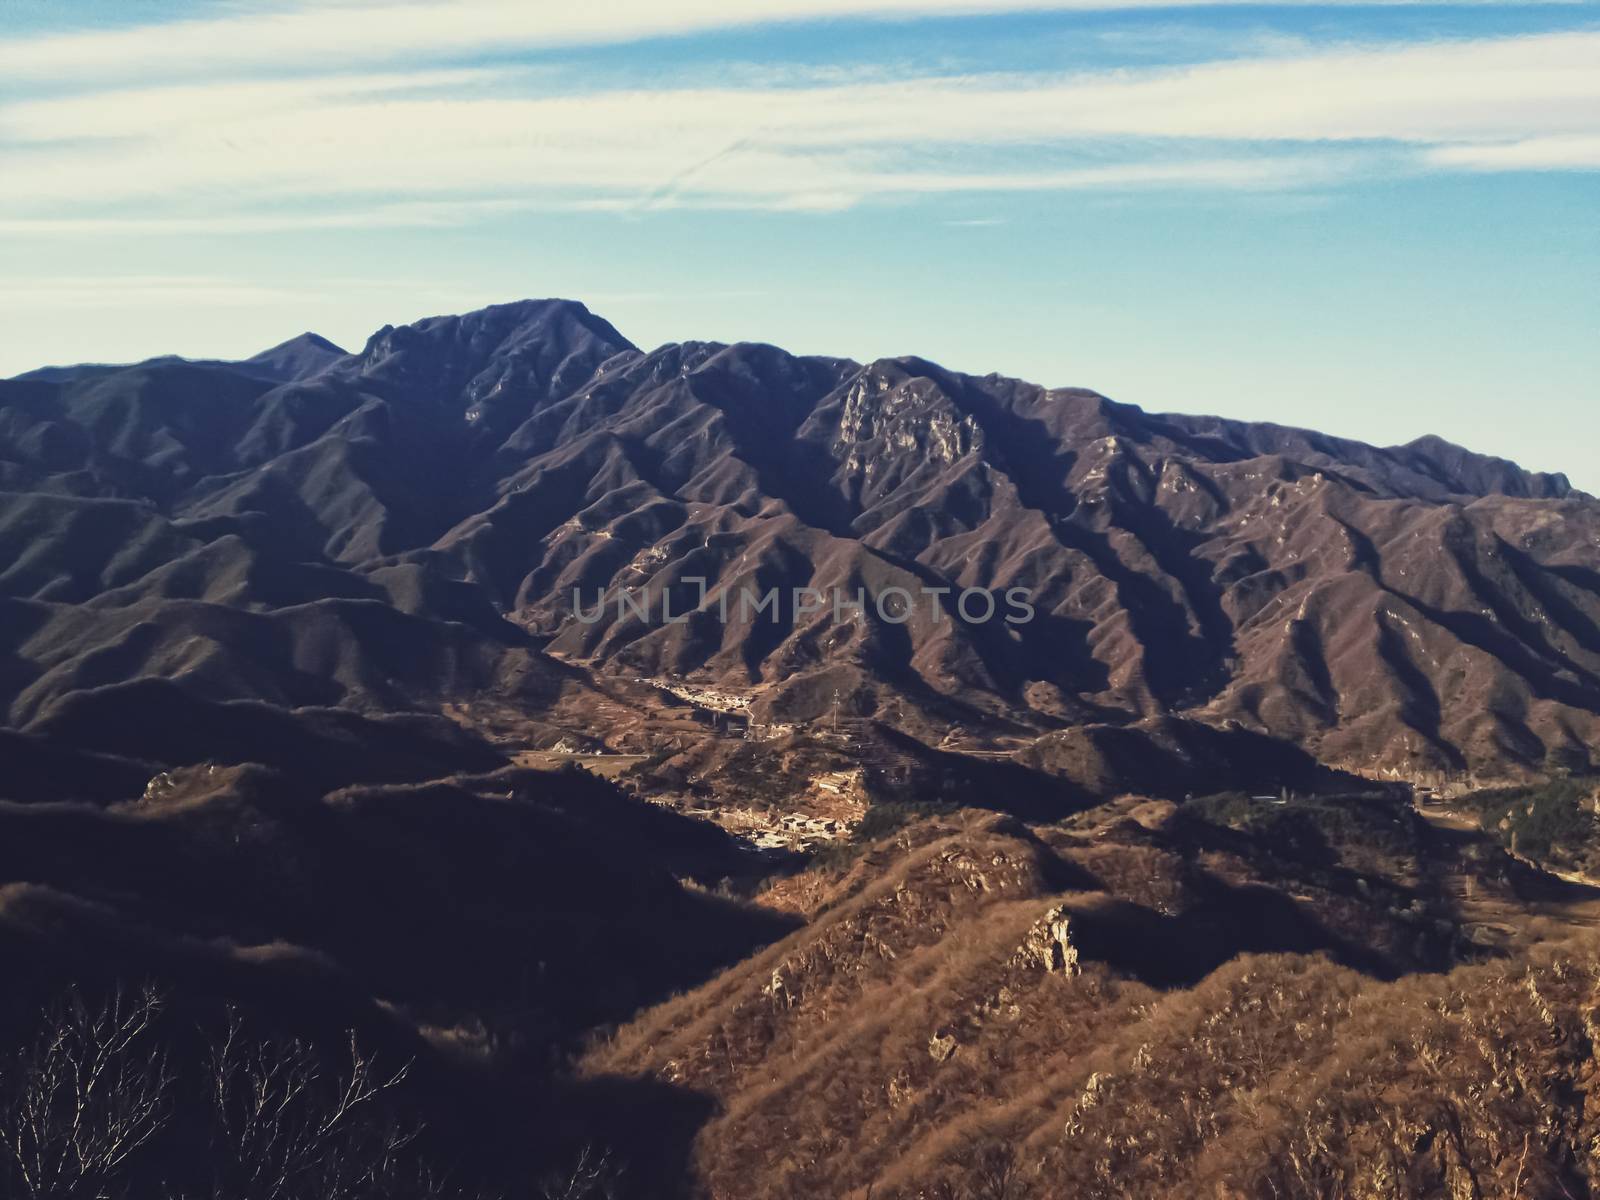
column 1000, row 785
column 1180, row 668
column 502, row 1125
column 477, row 927
column 1171, row 757
column 764, row 396
column 546, row 902
column 1229, row 920
column 650, row 1127
column 156, row 720
column 1305, row 639
column 1200, row 671
column 40, row 769
column 1420, row 704
column 1519, row 641
column 1536, row 578
column 1494, row 637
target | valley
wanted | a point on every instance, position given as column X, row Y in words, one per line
column 1259, row 863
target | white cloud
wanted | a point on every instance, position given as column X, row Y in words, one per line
column 119, row 291
column 443, row 146
column 1577, row 153
column 367, row 32
column 376, row 216
column 152, row 111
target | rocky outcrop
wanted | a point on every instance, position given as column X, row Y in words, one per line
column 1048, row 945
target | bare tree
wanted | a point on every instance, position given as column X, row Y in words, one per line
column 91, row 1091
column 984, row 1169
column 994, row 1171
column 288, row 1127
column 84, row 1102
column 591, row 1176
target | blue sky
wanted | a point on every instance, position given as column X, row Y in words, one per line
column 1376, row 220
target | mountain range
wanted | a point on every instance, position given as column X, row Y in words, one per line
column 341, row 720
column 411, row 526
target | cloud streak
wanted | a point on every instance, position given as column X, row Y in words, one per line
column 118, row 291
column 1574, row 153
column 375, row 32
column 442, row 145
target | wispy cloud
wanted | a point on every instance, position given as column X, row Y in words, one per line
column 441, row 146
column 118, row 291
column 185, row 293
column 372, row 31
column 441, row 215
column 1577, row 152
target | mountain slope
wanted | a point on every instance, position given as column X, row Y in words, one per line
column 1415, row 609
column 1139, row 1003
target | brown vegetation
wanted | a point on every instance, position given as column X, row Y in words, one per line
column 1194, row 1040
column 277, row 637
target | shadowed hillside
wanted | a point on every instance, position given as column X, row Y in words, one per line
column 466, row 930
column 1131, row 898
column 408, row 524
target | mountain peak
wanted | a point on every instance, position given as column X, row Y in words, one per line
column 493, row 365
column 1469, row 471
column 308, row 340
column 299, row 358
column 495, row 329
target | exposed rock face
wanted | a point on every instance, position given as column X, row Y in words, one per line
column 1079, row 1065
column 940, row 1048
column 1049, row 944
column 274, row 529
